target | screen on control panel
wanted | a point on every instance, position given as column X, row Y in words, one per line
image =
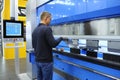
column 12, row 29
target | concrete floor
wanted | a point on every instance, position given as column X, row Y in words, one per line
column 7, row 70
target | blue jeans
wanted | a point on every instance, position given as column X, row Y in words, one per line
column 44, row 71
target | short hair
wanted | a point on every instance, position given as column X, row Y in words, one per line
column 44, row 15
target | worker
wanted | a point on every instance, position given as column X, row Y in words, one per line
column 43, row 42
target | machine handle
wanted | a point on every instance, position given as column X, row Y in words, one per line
column 30, row 50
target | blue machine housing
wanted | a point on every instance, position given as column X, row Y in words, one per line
column 71, row 66
column 64, row 11
column 65, row 65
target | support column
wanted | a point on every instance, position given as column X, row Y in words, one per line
column 13, row 9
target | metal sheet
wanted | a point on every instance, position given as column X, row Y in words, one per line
column 103, row 27
column 114, row 46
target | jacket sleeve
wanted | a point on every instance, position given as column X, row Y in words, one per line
column 50, row 39
column 33, row 42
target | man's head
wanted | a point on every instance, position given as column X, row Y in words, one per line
column 45, row 18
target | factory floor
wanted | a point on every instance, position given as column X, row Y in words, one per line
column 7, row 70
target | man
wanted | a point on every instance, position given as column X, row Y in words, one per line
column 43, row 42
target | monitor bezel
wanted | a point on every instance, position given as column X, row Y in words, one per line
column 4, row 29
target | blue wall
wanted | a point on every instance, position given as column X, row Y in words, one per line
column 64, row 11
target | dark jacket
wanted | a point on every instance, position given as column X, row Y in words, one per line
column 43, row 42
